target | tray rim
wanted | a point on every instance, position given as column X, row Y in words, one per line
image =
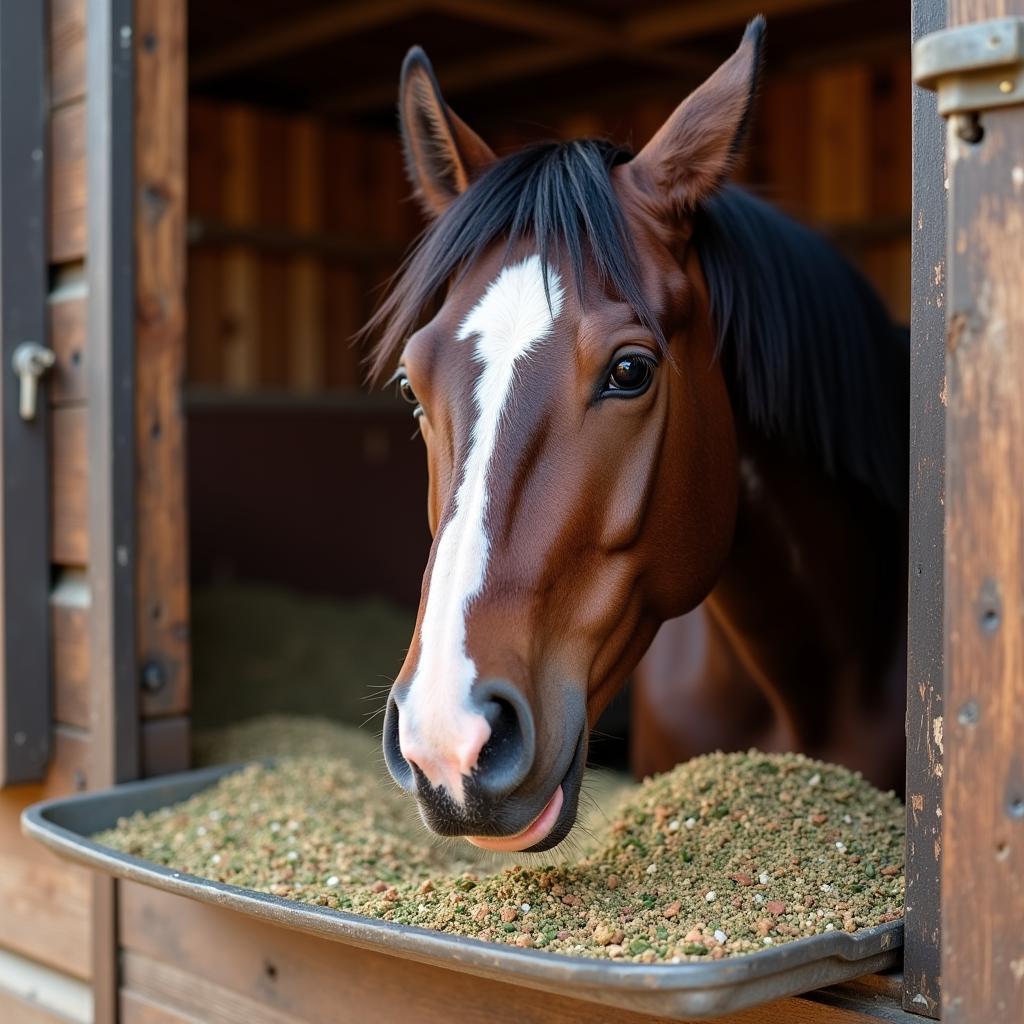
column 689, row 988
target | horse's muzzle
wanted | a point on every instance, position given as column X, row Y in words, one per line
column 499, row 797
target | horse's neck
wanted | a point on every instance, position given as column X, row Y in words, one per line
column 812, row 596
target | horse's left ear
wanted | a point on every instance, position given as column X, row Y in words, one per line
column 442, row 153
column 694, row 150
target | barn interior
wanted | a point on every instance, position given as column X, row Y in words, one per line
column 307, row 522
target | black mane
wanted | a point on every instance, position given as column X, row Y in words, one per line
column 808, row 349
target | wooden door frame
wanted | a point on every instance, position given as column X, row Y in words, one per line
column 922, row 915
column 25, row 697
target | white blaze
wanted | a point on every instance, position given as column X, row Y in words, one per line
column 436, row 718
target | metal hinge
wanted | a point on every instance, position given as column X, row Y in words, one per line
column 975, row 67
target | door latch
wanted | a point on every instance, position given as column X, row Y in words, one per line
column 30, row 361
column 974, row 67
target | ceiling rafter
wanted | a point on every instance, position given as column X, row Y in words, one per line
column 293, row 35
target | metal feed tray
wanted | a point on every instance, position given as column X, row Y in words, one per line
column 679, row 991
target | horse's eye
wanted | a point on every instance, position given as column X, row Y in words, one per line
column 406, row 391
column 630, row 375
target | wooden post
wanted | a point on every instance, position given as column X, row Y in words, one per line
column 983, row 730
column 111, row 439
column 922, row 918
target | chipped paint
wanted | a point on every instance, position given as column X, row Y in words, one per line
column 937, row 726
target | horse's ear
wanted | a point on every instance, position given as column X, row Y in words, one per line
column 694, row 150
column 442, row 153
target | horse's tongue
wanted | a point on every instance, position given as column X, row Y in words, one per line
column 533, row 834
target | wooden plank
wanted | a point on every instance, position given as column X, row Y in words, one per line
column 16, row 1010
column 161, row 549
column 67, row 51
column 782, row 141
column 204, row 961
column 69, row 611
column 346, row 308
column 983, row 799
column 67, row 183
column 890, row 126
column 205, row 199
column 273, row 203
column 139, row 1009
column 69, row 516
column 239, row 270
column 66, row 382
column 46, row 901
column 305, row 337
column 839, row 119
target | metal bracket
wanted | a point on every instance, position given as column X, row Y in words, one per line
column 973, row 67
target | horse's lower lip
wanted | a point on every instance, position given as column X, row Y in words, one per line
column 530, row 836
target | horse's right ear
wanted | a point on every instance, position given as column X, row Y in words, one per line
column 692, row 153
column 442, row 153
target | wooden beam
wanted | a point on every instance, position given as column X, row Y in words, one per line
column 293, row 34
column 473, row 73
column 550, row 22
column 701, row 17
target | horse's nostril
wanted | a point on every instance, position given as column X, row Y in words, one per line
column 401, row 770
column 507, row 756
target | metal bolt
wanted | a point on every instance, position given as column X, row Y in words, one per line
column 153, row 678
column 969, row 713
column 1015, row 808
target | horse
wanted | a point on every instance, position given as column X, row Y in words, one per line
column 652, row 405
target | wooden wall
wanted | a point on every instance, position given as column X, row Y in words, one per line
column 45, row 924
column 296, row 221
column 53, row 947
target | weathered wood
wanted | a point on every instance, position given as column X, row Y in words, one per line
column 161, row 582
column 983, row 800
column 69, row 611
column 66, row 382
column 201, row 961
column 922, row 915
column 67, row 51
column 69, row 517
column 67, row 183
